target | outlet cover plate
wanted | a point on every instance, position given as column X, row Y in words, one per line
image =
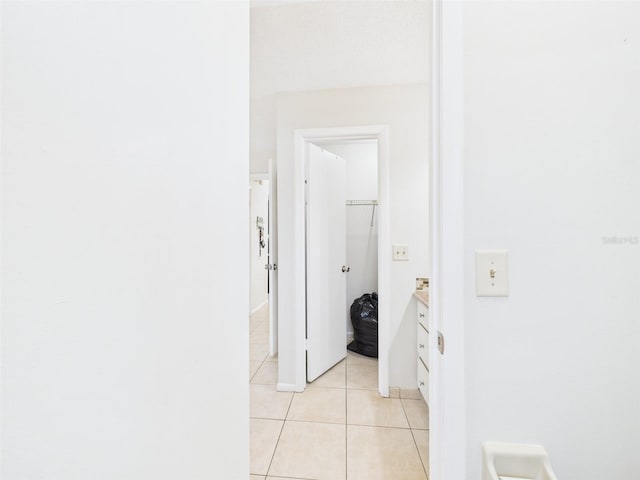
column 400, row 252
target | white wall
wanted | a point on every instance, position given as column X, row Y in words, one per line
column 123, row 265
column 405, row 109
column 322, row 45
column 552, row 116
column 259, row 207
column 362, row 236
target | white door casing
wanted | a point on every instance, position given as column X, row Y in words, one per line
column 273, row 262
column 447, row 429
column 326, row 261
column 296, row 256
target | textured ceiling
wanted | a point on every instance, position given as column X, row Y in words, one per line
column 318, row 45
column 310, row 45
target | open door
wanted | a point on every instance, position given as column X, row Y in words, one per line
column 272, row 263
column 326, row 261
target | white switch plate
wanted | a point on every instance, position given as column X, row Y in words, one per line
column 401, row 252
column 492, row 273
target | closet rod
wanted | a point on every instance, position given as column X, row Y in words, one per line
column 374, row 203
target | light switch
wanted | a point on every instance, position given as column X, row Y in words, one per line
column 401, row 252
column 492, row 273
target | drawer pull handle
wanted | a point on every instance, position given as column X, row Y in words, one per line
column 421, row 345
column 422, row 315
column 422, row 384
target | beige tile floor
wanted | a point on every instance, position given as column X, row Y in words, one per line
column 338, row 428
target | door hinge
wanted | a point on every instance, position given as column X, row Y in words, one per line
column 306, row 344
column 441, row 343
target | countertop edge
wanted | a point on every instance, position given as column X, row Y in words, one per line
column 422, row 297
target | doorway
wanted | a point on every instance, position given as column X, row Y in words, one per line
column 305, row 140
column 342, row 253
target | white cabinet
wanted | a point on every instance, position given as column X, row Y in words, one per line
column 422, row 316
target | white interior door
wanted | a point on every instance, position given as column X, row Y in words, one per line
column 272, row 263
column 326, row 261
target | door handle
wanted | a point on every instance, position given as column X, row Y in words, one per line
column 345, row 269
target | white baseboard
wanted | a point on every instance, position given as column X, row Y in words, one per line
column 259, row 306
column 288, row 387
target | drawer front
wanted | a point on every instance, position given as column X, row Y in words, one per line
column 423, row 345
column 423, row 315
column 423, row 381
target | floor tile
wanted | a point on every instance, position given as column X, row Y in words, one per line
column 362, row 376
column 357, row 359
column 259, row 319
column 410, row 393
column 262, row 327
column 259, row 336
column 256, row 325
column 258, row 351
column 311, row 450
column 377, row 453
column 264, row 437
column 417, row 413
column 333, row 378
column 394, row 392
column 267, row 374
column 422, row 441
column 266, row 402
column 256, row 477
column 261, row 313
column 253, row 368
column 285, row 478
column 319, row 405
column 367, row 407
column 271, row 359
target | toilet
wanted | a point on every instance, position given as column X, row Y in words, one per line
column 513, row 461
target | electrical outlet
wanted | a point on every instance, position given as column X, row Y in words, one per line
column 401, row 252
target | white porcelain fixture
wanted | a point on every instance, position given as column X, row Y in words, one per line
column 512, row 461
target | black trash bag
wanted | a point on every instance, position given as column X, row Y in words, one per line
column 364, row 318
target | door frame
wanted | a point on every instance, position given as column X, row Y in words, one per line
column 254, row 177
column 447, row 427
column 272, row 224
column 302, row 138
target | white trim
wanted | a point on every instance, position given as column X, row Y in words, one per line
column 272, row 253
column 259, row 307
column 447, row 420
column 288, row 387
column 326, row 135
column 259, row 176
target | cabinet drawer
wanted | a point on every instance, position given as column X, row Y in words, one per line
column 423, row 315
column 423, row 381
column 423, row 344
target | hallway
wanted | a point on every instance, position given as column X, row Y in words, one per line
column 339, row 428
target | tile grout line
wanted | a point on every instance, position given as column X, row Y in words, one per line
column 346, row 419
column 264, row 360
column 280, row 434
column 261, row 364
column 420, row 456
column 414, row 441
